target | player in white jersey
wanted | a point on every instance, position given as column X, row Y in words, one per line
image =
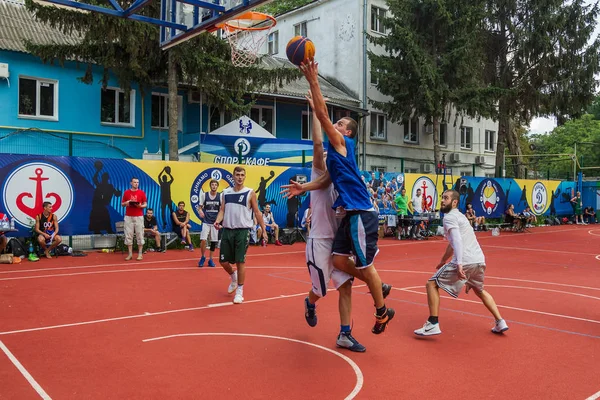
column 324, row 225
column 237, row 207
column 466, row 268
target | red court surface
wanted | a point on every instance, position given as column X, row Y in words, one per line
column 99, row 327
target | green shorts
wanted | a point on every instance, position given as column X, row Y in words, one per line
column 234, row 244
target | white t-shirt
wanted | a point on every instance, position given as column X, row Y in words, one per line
column 472, row 253
column 417, row 203
column 323, row 223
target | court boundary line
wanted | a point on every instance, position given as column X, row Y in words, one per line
column 595, row 396
column 357, row 371
column 34, row 384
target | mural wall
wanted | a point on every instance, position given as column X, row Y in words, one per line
column 86, row 192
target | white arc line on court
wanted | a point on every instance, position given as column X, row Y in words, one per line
column 408, row 289
column 591, row 232
column 546, row 290
column 542, row 250
column 595, row 396
column 25, row 373
column 355, row 367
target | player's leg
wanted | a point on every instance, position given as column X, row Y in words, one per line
column 55, row 242
column 157, row 241
column 276, row 229
column 227, row 257
column 3, row 242
column 242, row 237
column 128, row 231
column 345, row 338
column 319, row 263
column 206, row 228
column 214, row 241
column 138, row 223
column 475, row 277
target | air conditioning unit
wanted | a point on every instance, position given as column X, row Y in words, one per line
column 454, row 157
column 480, row 160
column 426, row 168
column 194, row 97
column 429, row 129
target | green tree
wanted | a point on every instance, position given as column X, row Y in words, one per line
column 130, row 50
column 595, row 108
column 433, row 62
column 540, row 62
column 282, row 6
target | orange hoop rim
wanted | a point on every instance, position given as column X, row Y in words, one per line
column 253, row 16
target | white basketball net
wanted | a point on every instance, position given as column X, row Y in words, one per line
column 245, row 44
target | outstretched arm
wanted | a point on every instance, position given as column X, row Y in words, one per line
column 296, row 189
column 336, row 139
column 317, row 137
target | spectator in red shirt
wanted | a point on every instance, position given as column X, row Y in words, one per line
column 3, row 241
column 134, row 201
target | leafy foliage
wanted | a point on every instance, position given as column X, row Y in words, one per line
column 278, row 7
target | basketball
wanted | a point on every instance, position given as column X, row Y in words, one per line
column 300, row 49
column 168, row 169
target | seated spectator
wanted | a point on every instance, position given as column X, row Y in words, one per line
column 381, row 189
column 375, row 201
column 530, row 218
column 46, row 226
column 253, row 233
column 374, row 181
column 270, row 225
column 181, row 225
column 589, row 215
column 512, row 218
column 151, row 229
column 305, row 224
column 393, row 186
column 475, row 221
column 3, row 240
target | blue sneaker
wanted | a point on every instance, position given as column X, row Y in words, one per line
column 211, row 263
column 201, row 262
column 310, row 313
column 346, row 340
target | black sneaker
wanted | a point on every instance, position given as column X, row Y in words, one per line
column 382, row 321
column 310, row 313
column 346, row 340
column 386, row 289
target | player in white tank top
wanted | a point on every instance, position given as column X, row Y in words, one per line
column 238, row 214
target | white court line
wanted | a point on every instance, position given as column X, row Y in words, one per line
column 501, row 306
column 598, row 257
column 595, row 396
column 25, row 373
column 357, row 371
column 546, row 290
column 591, row 232
column 542, row 250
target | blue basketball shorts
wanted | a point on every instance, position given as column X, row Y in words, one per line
column 357, row 237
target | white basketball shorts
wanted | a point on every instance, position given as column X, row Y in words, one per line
column 209, row 229
column 320, row 266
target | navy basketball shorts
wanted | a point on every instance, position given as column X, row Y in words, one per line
column 357, row 237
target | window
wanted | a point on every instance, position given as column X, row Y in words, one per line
column 489, row 175
column 410, row 170
column 466, row 137
column 160, row 111
column 306, row 126
column 490, row 137
column 444, row 135
column 374, row 79
column 466, row 173
column 273, row 43
column 300, row 29
column 38, row 98
column 377, row 170
column 377, row 15
column 218, row 118
column 378, row 127
column 264, row 116
column 116, row 108
column 411, row 133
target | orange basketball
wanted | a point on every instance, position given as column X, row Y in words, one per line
column 300, row 49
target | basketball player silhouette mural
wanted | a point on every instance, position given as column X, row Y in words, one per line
column 165, row 180
column 261, row 192
column 99, row 215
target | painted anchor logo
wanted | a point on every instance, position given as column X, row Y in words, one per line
column 39, row 197
column 427, row 200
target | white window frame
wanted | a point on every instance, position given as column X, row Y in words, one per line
column 490, row 141
column 117, row 90
column 260, row 115
column 376, row 23
column 409, row 170
column 166, row 112
column 273, row 43
column 39, row 82
column 445, row 134
column 380, row 134
column 306, row 119
column 464, row 144
column 222, row 120
column 466, row 173
column 377, row 169
column 408, row 126
column 374, row 79
column 300, row 29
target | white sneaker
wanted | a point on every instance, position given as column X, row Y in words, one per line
column 239, row 297
column 233, row 285
column 500, row 327
column 428, row 329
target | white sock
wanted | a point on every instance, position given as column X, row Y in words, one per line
column 240, row 290
column 234, row 277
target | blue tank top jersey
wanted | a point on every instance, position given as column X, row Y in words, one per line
column 352, row 192
column 211, row 208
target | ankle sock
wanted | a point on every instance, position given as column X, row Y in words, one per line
column 381, row 311
column 433, row 320
column 309, row 304
column 345, row 329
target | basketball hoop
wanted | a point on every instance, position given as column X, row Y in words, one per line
column 246, row 34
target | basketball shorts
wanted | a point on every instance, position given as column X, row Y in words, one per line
column 447, row 278
column 234, row 245
column 320, row 266
column 209, row 229
column 357, row 237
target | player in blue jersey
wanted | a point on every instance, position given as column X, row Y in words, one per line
column 358, row 232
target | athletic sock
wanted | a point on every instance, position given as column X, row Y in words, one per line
column 233, row 276
column 309, row 304
column 433, row 320
column 381, row 311
column 345, row 329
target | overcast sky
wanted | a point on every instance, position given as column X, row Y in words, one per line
column 541, row 125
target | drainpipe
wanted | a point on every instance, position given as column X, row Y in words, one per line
column 364, row 96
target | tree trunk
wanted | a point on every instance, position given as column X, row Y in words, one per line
column 173, row 109
column 436, row 143
column 514, row 147
column 501, row 145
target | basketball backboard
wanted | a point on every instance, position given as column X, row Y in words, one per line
column 179, row 20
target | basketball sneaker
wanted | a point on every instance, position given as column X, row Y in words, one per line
column 211, row 263
column 310, row 313
column 239, row 296
column 346, row 340
column 428, row 329
column 382, row 321
column 201, row 262
column 233, row 285
column 386, row 289
column 500, row 327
